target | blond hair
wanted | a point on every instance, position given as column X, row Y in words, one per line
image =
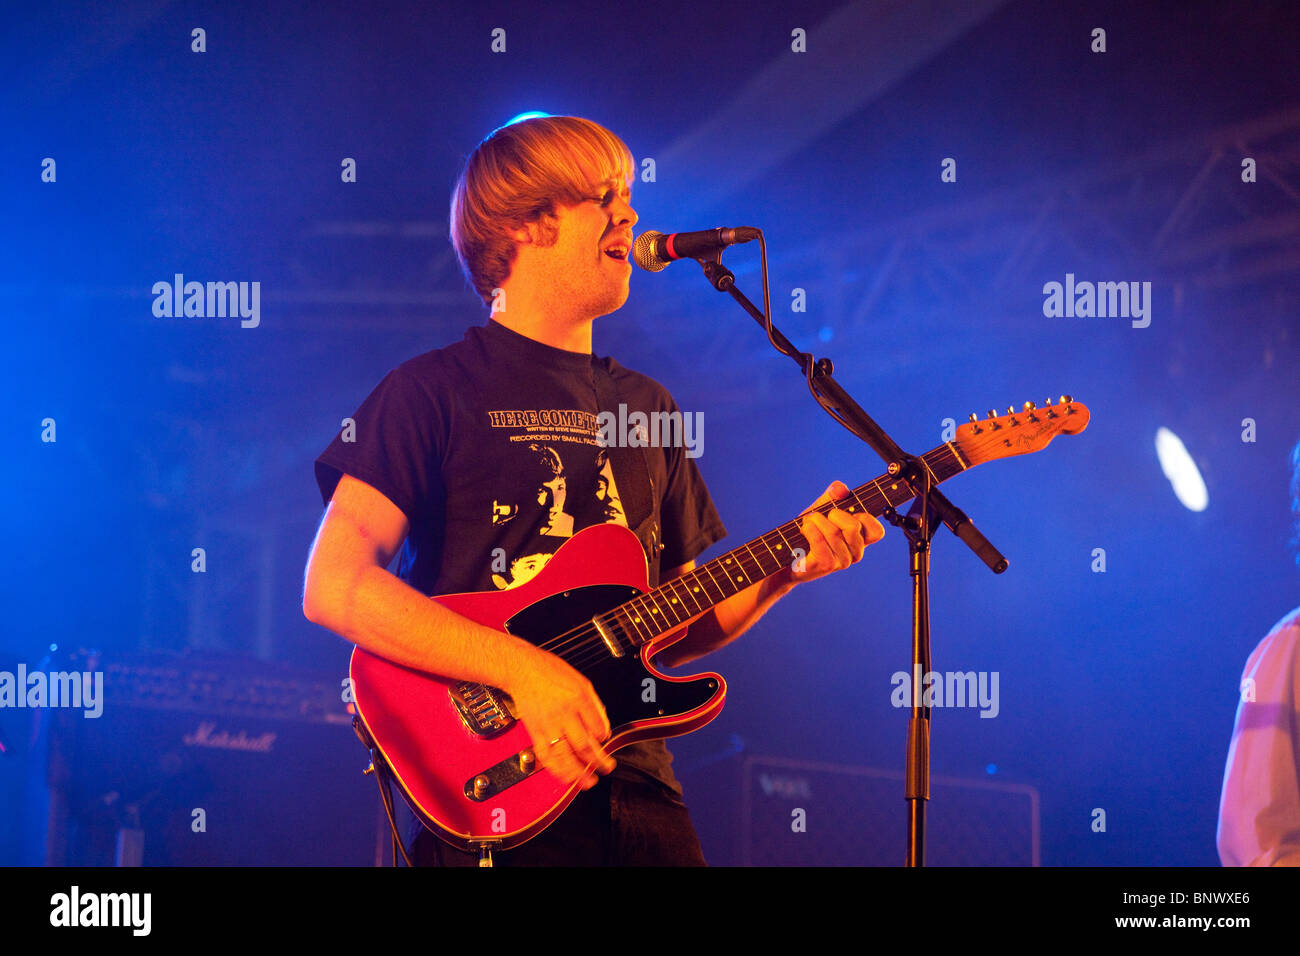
column 517, row 175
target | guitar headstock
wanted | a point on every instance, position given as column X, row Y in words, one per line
column 1019, row 432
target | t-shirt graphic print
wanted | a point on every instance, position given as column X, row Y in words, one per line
column 565, row 482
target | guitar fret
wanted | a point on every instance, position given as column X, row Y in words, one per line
column 658, row 614
column 737, row 577
column 800, row 543
column 654, row 616
column 684, row 593
column 875, row 482
column 648, row 616
column 744, row 575
column 634, row 622
column 695, row 587
column 767, row 564
column 721, row 593
column 785, row 541
column 674, row 602
column 776, row 562
column 694, row 592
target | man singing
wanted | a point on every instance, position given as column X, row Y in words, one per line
column 480, row 459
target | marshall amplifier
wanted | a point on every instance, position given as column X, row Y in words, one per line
column 208, row 761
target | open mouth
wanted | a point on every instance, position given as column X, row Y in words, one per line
column 617, row 252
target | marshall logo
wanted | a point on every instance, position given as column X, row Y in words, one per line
column 208, row 736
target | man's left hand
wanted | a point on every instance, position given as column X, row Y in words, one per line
column 836, row 539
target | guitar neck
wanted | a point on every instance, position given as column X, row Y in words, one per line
column 672, row 604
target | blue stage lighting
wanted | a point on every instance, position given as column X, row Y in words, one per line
column 523, row 116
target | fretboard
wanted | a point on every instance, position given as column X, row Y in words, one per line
column 672, row 604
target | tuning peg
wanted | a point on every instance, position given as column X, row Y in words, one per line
column 1048, row 401
column 1030, row 406
column 1066, row 399
column 992, row 413
column 974, row 417
column 1011, row 409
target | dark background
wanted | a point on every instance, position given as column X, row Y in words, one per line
column 1117, row 689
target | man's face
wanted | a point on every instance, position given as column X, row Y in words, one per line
column 579, row 272
column 551, row 496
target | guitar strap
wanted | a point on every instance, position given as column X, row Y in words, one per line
column 631, row 469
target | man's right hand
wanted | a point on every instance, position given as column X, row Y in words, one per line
column 349, row 590
column 565, row 718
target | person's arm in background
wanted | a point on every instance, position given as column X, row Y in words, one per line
column 348, row 589
column 1259, row 808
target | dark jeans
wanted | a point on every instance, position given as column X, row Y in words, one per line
column 618, row 822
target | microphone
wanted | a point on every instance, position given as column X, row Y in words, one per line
column 652, row 250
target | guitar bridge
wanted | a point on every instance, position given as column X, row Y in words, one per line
column 483, row 710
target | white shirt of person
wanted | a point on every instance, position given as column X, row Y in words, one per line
column 1259, row 809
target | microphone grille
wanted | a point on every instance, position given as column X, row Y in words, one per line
column 643, row 252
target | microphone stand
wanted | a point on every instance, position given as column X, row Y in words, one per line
column 919, row 525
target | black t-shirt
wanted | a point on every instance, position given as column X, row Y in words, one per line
column 490, row 448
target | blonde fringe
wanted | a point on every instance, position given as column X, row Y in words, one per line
column 518, row 175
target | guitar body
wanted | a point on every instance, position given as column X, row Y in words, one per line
column 438, row 735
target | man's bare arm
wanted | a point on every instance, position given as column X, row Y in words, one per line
column 727, row 620
column 348, row 589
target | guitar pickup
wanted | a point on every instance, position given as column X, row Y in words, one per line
column 502, row 776
column 611, row 643
column 483, row 710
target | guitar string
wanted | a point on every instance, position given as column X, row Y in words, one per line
column 932, row 458
column 585, row 631
column 587, row 636
column 588, row 639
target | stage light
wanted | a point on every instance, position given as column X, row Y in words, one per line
column 1181, row 471
column 523, row 116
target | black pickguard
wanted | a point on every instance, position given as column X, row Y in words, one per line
column 627, row 689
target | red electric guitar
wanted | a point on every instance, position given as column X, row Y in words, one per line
column 462, row 759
